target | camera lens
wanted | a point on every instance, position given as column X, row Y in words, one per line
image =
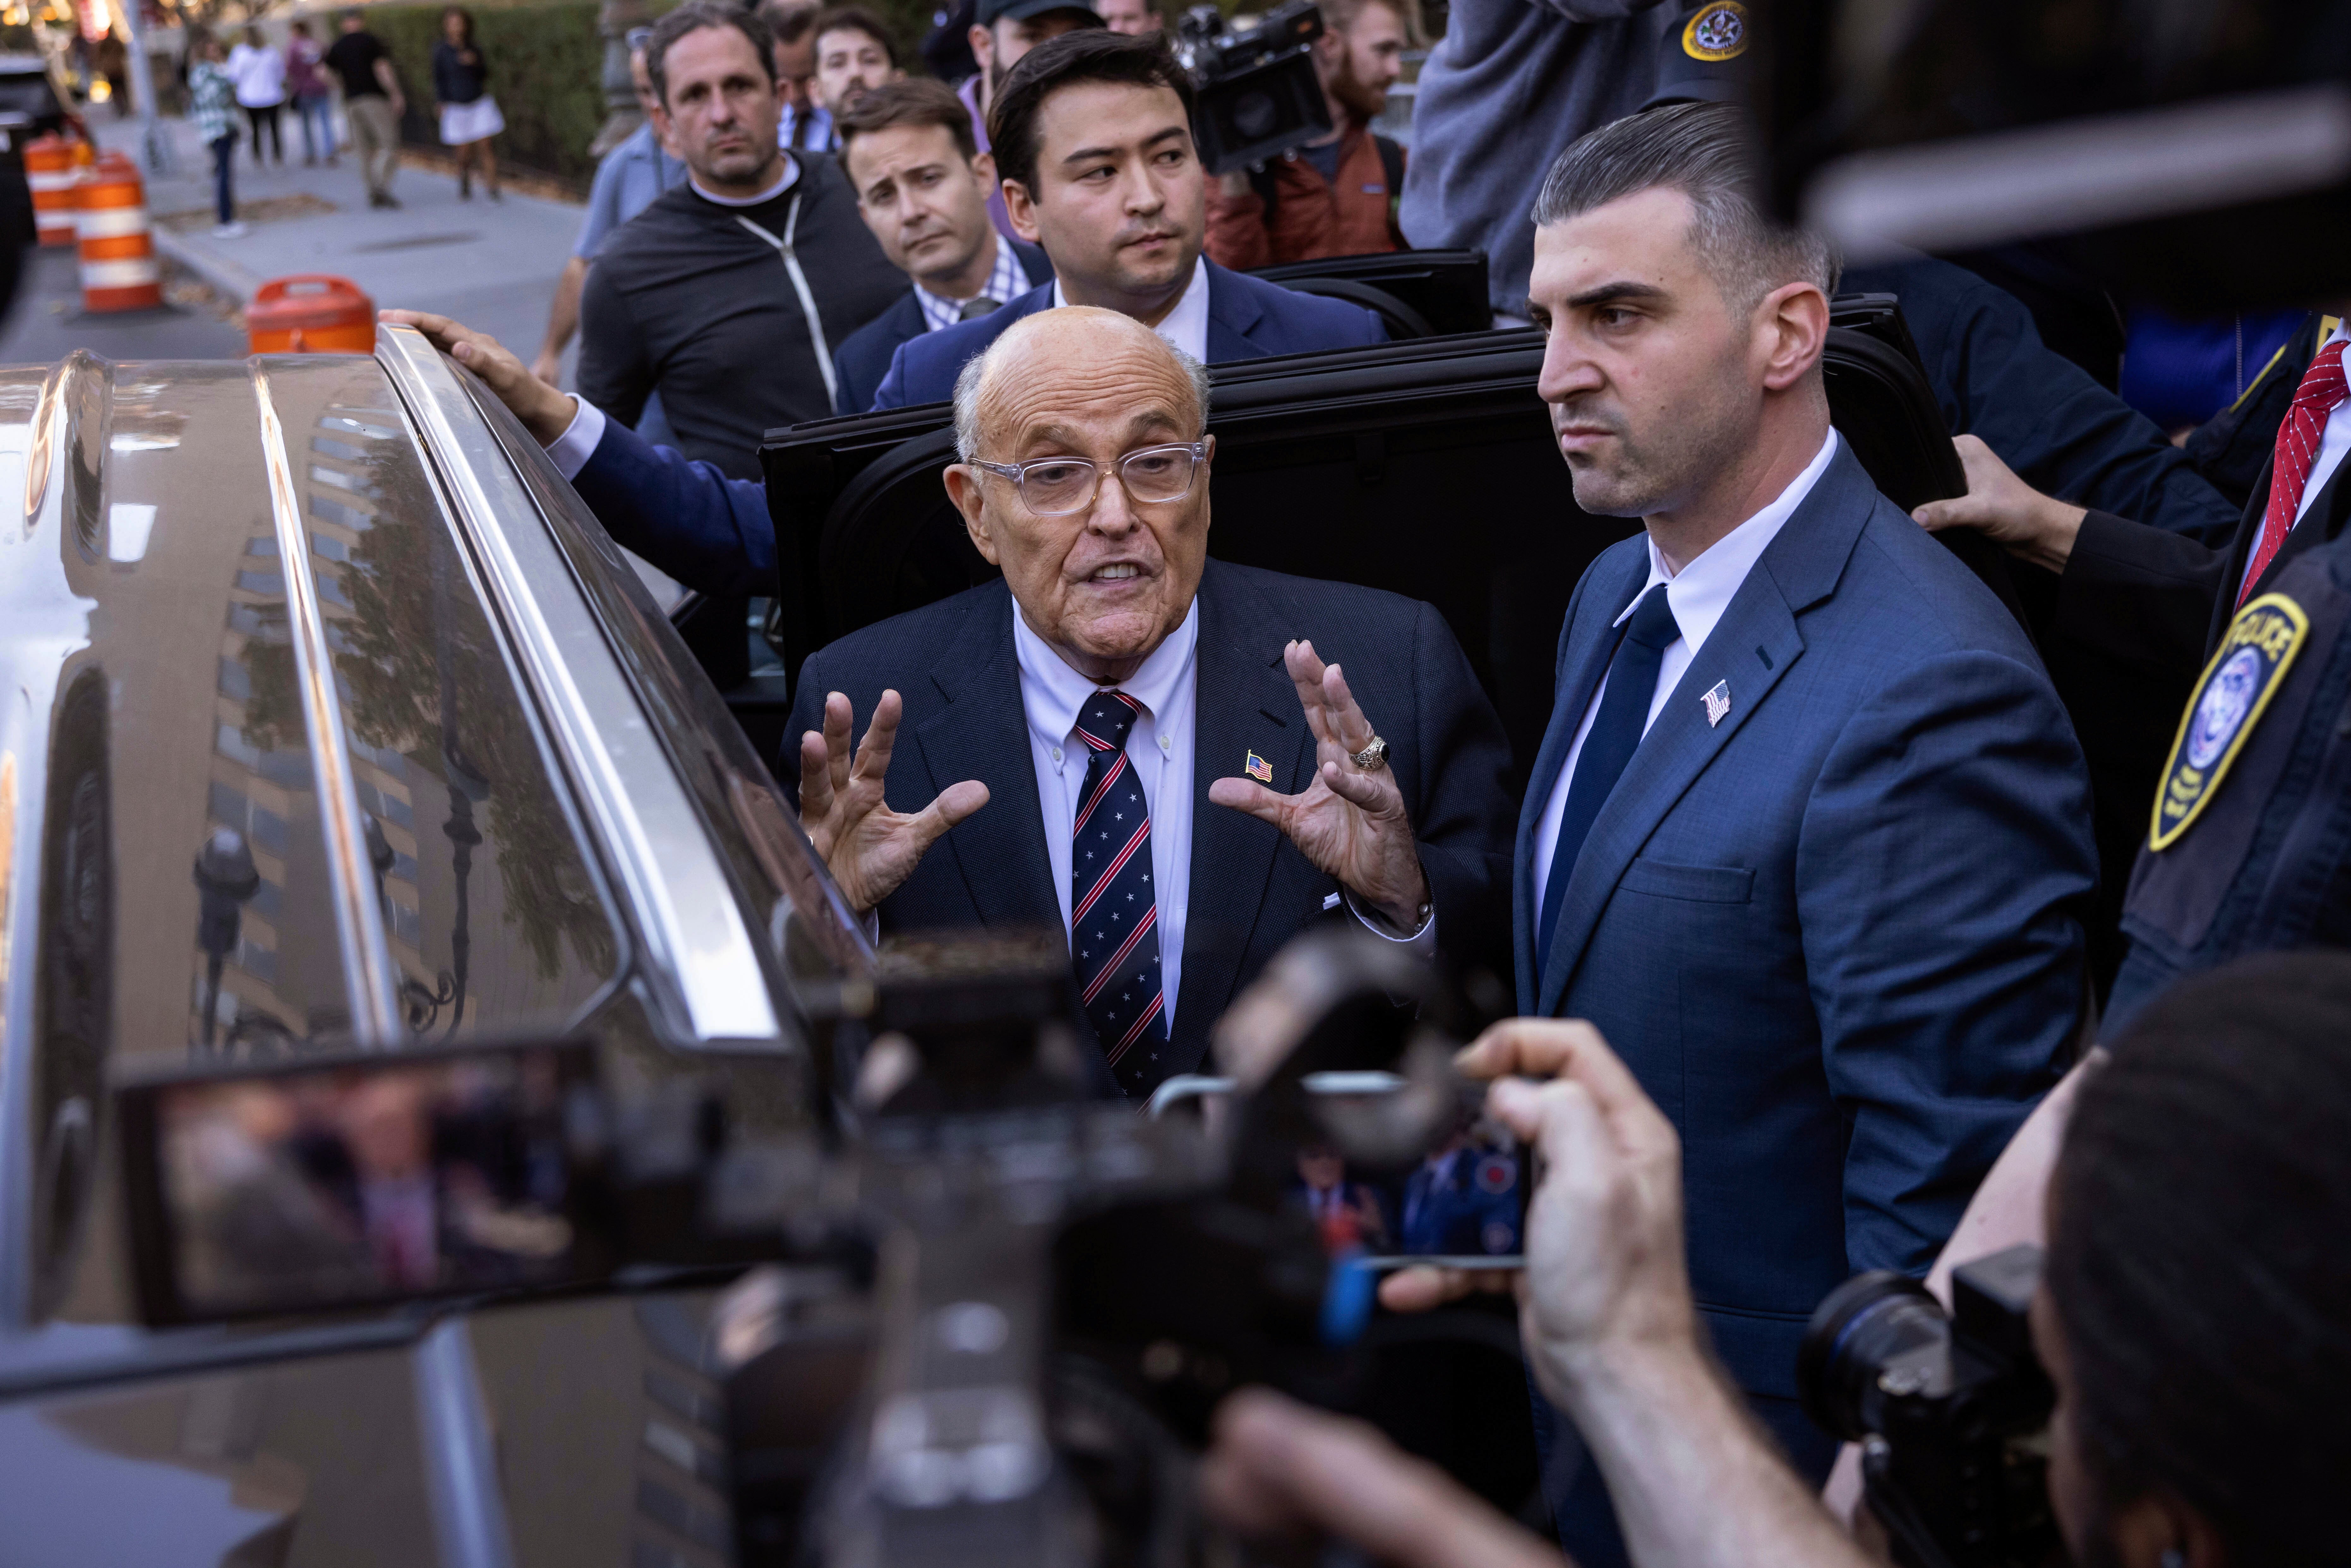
column 1255, row 114
column 1861, row 1328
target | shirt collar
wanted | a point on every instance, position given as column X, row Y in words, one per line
column 1186, row 326
column 1702, row 590
column 1006, row 283
column 1053, row 695
column 783, row 182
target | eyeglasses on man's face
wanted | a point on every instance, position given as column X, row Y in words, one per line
column 1056, row 487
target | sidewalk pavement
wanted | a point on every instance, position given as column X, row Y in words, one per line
column 491, row 265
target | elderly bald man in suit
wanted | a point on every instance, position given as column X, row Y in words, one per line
column 1174, row 760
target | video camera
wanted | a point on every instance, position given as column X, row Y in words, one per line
column 1255, row 93
column 1951, row 1410
column 986, row 1317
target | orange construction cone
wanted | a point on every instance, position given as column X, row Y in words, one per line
column 310, row 313
column 118, row 247
column 49, row 170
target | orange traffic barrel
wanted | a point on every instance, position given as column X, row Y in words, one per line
column 311, row 313
column 49, row 170
column 118, row 247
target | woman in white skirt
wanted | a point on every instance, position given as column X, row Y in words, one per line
column 469, row 115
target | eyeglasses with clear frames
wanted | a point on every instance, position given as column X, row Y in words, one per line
column 1056, row 487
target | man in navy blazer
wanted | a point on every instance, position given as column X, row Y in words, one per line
column 1809, row 834
column 921, row 186
column 1167, row 758
column 866, row 355
column 1092, row 137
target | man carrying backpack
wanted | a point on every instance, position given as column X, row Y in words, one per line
column 1335, row 196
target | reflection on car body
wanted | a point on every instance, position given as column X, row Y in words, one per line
column 330, row 719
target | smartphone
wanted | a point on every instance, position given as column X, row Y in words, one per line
column 1463, row 1205
column 322, row 1183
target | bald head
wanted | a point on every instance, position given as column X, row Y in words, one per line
column 1046, row 354
column 1104, row 583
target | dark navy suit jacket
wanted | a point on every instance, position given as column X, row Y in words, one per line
column 1251, row 890
column 864, row 357
column 1834, row 934
column 1248, row 319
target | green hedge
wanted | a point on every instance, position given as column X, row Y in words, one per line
column 546, row 68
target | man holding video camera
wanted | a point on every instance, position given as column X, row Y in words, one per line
column 2188, row 1315
column 1335, row 195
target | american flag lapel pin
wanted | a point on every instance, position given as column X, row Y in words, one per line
column 1258, row 768
column 1717, row 703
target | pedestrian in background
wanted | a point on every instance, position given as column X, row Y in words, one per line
column 306, row 79
column 213, row 94
column 805, row 125
column 469, row 115
column 259, row 73
column 372, row 102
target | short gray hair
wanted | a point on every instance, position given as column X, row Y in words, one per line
column 1707, row 152
column 975, row 371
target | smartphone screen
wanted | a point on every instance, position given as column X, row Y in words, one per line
column 363, row 1181
column 1463, row 1206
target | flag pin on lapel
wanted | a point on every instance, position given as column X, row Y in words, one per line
column 1717, row 703
column 1258, row 768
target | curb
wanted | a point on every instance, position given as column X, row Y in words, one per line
column 218, row 272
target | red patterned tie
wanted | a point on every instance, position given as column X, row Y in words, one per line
column 2298, row 448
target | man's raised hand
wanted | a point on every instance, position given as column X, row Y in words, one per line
column 1349, row 822
column 868, row 848
column 546, row 412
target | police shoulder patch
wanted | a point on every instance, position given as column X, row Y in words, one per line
column 1718, row 32
column 2223, row 709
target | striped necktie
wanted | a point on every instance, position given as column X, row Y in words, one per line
column 2315, row 401
column 1114, row 910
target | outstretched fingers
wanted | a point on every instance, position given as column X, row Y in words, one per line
column 1246, row 795
column 954, row 802
column 873, row 764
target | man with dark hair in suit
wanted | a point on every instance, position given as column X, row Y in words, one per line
column 1092, row 137
column 1809, row 834
column 1156, row 753
column 921, row 186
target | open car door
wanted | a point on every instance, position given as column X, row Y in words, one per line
column 1425, row 467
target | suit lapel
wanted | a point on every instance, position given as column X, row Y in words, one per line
column 1243, row 701
column 1750, row 648
column 983, row 734
column 1232, row 314
column 1585, row 648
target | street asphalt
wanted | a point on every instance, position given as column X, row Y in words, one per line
column 491, row 265
column 48, row 322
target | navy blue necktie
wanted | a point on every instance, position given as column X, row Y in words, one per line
column 1113, row 911
column 1614, row 736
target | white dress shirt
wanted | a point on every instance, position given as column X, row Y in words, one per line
column 1159, row 748
column 1186, row 326
column 2332, row 442
column 1698, row 595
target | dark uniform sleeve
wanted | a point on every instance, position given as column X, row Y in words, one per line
column 2140, row 594
column 2064, row 434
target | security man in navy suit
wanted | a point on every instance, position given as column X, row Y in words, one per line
column 921, row 187
column 1092, row 136
column 1808, row 835
column 1156, row 754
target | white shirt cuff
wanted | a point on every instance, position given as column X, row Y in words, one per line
column 1422, row 942
column 569, row 451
